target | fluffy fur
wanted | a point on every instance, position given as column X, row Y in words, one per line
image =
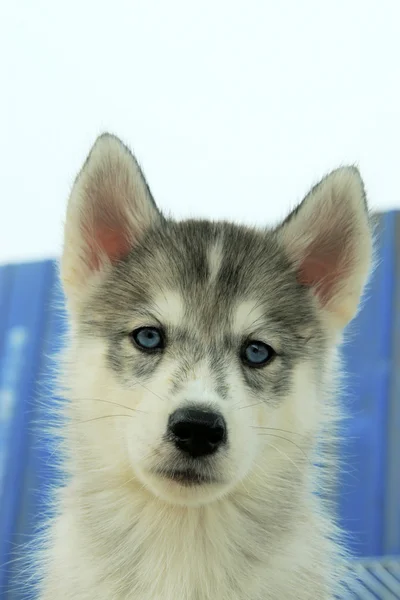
column 252, row 527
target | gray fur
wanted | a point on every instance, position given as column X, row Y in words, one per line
column 173, row 256
column 247, row 525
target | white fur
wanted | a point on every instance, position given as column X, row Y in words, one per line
column 190, row 544
column 123, row 532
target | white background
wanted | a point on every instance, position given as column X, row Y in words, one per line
column 233, row 108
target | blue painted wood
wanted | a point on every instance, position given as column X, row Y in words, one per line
column 367, row 355
column 6, row 281
column 22, row 341
column 30, row 511
column 392, row 506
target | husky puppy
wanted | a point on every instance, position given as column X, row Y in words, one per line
column 200, row 380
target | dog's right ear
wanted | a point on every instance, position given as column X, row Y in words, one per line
column 110, row 207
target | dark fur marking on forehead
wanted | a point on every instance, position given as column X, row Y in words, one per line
column 175, row 257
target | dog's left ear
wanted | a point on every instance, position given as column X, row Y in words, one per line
column 328, row 239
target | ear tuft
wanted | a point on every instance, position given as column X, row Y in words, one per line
column 329, row 241
column 109, row 209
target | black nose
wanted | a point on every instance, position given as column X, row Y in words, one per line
column 197, row 432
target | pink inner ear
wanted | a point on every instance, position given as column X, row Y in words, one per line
column 114, row 244
column 321, row 268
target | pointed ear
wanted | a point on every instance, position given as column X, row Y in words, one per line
column 110, row 207
column 329, row 241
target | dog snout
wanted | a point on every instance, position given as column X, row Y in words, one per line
column 197, row 432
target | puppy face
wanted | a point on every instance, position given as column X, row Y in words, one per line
column 201, row 350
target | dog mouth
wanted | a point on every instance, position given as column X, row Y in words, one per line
column 187, row 477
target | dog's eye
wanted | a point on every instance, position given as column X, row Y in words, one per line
column 257, row 354
column 148, row 338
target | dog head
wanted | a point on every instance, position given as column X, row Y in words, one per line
column 201, row 351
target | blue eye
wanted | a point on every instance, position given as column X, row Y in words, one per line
column 148, row 338
column 257, row 354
